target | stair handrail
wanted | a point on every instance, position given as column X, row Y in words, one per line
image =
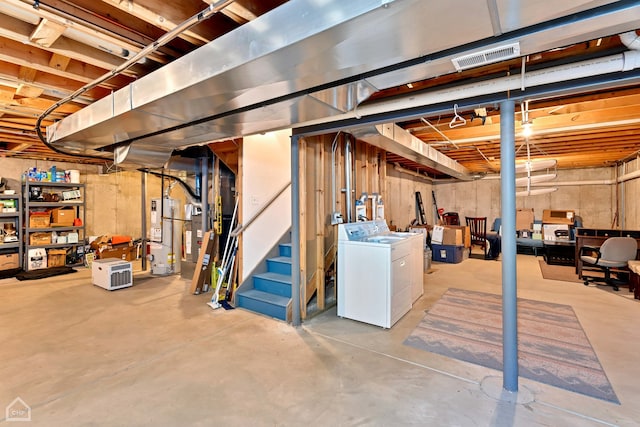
column 241, row 227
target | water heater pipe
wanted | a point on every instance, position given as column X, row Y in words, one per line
column 347, row 175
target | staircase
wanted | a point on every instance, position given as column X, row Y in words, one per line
column 271, row 291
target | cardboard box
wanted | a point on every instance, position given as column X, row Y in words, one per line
column 466, row 235
column 125, row 252
column 100, row 242
column 452, row 236
column 9, row 261
column 40, row 239
column 558, row 217
column 39, row 220
column 63, row 216
column 36, row 259
column 56, row 257
column 455, row 235
column 524, row 219
column 447, row 253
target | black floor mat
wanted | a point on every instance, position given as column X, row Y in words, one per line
column 5, row 274
column 46, row 272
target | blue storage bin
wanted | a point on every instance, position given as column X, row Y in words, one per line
column 447, row 253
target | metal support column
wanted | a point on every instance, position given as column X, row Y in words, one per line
column 509, row 282
column 295, row 231
column 143, row 221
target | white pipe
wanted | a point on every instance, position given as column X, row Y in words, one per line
column 564, row 183
column 631, row 40
column 622, row 178
column 621, row 62
column 347, row 175
column 574, row 183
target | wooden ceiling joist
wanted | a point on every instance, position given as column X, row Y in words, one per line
column 46, row 33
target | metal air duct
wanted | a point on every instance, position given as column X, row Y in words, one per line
column 310, row 61
column 393, row 138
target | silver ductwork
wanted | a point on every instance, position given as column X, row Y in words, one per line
column 311, row 60
column 393, row 138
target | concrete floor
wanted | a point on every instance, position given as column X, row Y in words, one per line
column 155, row 355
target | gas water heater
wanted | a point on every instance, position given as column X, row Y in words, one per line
column 165, row 238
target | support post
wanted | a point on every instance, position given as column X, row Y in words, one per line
column 295, row 231
column 204, row 195
column 143, row 220
column 509, row 283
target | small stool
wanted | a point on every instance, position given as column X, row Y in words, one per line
column 634, row 279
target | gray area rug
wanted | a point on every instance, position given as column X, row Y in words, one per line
column 552, row 347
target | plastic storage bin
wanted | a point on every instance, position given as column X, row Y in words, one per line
column 447, row 253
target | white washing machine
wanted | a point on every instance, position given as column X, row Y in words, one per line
column 379, row 272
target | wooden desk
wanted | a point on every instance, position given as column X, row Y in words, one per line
column 595, row 237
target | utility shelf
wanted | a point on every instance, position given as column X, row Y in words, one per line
column 10, row 245
column 33, row 206
column 8, row 220
column 57, row 228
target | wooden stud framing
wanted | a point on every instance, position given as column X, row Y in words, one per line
column 321, row 214
column 303, row 228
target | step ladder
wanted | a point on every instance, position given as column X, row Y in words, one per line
column 420, row 209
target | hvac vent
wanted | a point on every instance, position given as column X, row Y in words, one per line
column 488, row 56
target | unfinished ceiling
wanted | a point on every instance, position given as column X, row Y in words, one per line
column 308, row 63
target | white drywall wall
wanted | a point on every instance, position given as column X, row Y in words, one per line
column 266, row 168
